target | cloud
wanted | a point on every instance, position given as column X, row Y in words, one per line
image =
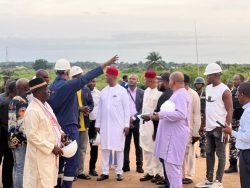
column 84, row 29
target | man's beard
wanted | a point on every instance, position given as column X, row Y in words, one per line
column 161, row 88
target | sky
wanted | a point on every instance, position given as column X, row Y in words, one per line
column 95, row 30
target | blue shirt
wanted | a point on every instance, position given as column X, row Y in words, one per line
column 243, row 134
column 63, row 99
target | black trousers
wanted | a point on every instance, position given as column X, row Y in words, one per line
column 6, row 158
column 93, row 149
column 135, row 133
column 245, row 168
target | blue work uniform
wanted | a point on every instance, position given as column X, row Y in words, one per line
column 63, row 101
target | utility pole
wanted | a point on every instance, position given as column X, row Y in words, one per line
column 6, row 55
column 196, row 47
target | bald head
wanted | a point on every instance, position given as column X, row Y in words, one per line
column 176, row 80
column 22, row 87
column 41, row 73
column 10, row 87
column 177, row 77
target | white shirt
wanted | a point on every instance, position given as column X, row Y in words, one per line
column 132, row 106
column 96, row 97
column 215, row 108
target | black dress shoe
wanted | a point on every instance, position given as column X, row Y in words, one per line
column 103, row 177
column 139, row 169
column 161, row 181
column 164, row 186
column 119, row 177
column 126, row 169
column 231, row 169
column 187, row 181
column 146, row 177
column 156, row 178
column 93, row 172
column 84, row 177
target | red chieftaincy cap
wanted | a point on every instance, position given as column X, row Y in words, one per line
column 150, row 74
column 112, row 71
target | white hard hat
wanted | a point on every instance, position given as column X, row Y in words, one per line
column 75, row 70
column 212, row 68
column 168, row 106
column 70, row 150
column 62, row 64
column 97, row 140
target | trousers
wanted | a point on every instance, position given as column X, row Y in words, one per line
column 19, row 157
column 105, row 161
column 68, row 166
column 6, row 159
column 138, row 150
column 245, row 168
column 189, row 160
column 82, row 148
column 174, row 174
column 233, row 151
column 215, row 145
column 153, row 164
column 93, row 149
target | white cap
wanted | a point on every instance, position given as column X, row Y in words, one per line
column 75, row 70
column 62, row 64
column 70, row 150
column 212, row 68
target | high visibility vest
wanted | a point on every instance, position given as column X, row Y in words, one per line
column 80, row 104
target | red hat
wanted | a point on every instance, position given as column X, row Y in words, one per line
column 112, row 71
column 150, row 74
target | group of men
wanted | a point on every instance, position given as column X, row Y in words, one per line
column 166, row 121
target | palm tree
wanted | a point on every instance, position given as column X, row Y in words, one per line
column 154, row 61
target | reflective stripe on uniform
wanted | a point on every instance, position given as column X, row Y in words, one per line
column 60, row 175
column 67, row 178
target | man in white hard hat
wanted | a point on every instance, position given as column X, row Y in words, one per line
column 85, row 106
column 63, row 101
column 218, row 108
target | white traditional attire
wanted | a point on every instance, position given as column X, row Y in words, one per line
column 112, row 117
column 43, row 133
column 194, row 125
column 153, row 165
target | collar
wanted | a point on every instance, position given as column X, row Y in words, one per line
column 133, row 90
column 247, row 105
column 95, row 90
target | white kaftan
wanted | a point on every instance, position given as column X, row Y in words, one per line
column 112, row 117
column 41, row 167
column 150, row 100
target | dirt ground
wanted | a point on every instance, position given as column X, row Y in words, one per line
column 131, row 179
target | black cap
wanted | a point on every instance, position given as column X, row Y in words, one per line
column 164, row 76
column 37, row 83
